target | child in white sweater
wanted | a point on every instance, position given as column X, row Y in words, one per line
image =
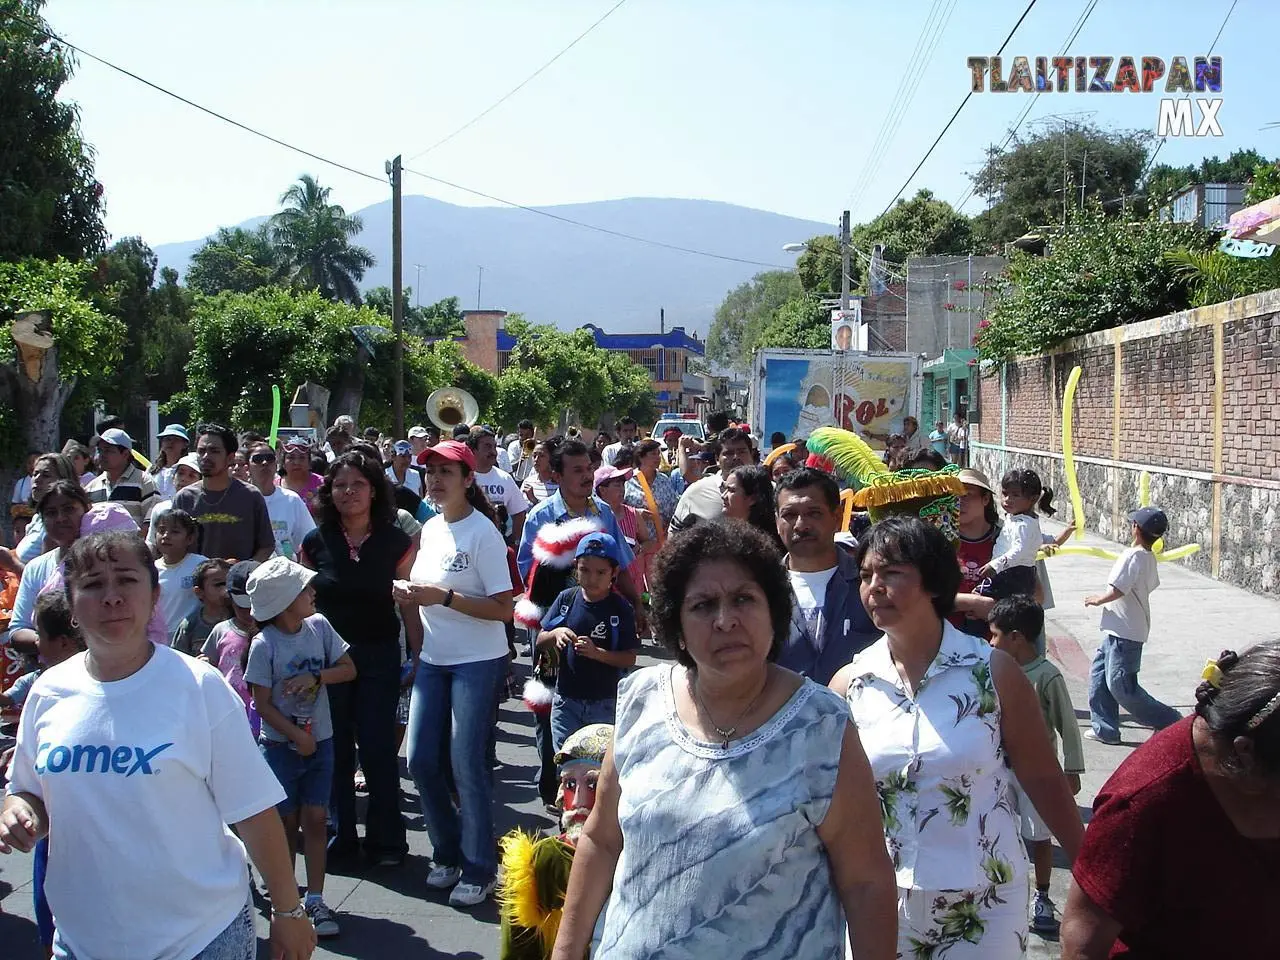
column 1012, row 568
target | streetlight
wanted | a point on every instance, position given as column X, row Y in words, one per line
column 417, row 282
column 795, row 247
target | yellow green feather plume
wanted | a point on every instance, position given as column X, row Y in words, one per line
column 854, row 459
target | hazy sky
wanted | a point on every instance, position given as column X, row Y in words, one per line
column 764, row 103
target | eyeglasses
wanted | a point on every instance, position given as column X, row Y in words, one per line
column 262, row 458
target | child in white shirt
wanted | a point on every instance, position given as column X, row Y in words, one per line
column 176, row 533
column 1012, row 568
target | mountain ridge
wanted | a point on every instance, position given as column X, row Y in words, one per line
column 568, row 275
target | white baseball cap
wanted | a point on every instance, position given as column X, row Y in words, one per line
column 275, row 585
column 117, row 438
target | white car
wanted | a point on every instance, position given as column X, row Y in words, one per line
column 689, row 427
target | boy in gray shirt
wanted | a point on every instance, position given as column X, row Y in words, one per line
column 290, row 661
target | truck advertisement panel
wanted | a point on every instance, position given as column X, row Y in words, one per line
column 865, row 393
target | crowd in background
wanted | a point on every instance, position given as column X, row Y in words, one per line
column 883, row 691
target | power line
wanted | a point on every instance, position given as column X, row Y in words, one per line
column 1156, row 152
column 592, row 226
column 516, row 89
column 938, row 140
column 1013, row 131
column 913, row 69
column 191, row 103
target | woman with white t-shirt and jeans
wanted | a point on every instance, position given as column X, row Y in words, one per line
column 133, row 759
column 462, row 583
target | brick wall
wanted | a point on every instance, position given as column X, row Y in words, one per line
column 1159, row 413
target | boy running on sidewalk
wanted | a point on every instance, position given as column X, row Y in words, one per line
column 1126, row 624
column 1015, row 623
column 297, row 653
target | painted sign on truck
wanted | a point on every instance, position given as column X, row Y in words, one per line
column 796, row 391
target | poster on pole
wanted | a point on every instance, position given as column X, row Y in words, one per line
column 845, row 326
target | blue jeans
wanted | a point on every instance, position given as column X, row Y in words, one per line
column 306, row 780
column 451, row 720
column 237, row 941
column 1113, row 683
column 568, row 716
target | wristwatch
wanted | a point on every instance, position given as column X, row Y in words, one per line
column 299, row 912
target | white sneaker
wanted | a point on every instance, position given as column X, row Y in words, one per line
column 442, row 878
column 470, row 894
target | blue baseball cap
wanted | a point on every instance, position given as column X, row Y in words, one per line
column 598, row 545
column 1150, row 521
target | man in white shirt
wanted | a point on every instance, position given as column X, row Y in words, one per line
column 498, row 485
column 520, row 464
column 627, row 430
column 402, row 472
column 829, row 624
column 291, row 521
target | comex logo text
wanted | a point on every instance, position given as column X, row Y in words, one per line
column 1094, row 75
column 83, row 758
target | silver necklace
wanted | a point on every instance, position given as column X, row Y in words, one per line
column 725, row 734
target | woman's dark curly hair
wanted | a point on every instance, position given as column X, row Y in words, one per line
column 707, row 542
column 87, row 552
column 382, row 509
column 913, row 543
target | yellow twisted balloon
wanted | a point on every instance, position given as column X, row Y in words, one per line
column 1077, row 502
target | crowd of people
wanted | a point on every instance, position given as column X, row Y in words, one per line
column 854, row 741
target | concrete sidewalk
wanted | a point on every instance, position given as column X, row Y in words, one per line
column 1193, row 618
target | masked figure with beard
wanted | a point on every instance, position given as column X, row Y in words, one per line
column 535, row 870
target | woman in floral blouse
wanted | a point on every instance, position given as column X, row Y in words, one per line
column 944, row 718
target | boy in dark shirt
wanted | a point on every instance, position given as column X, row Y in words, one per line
column 594, row 629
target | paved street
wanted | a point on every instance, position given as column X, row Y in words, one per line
column 388, row 913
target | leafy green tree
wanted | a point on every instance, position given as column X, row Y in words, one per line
column 920, row 227
column 234, row 260
column 800, row 322
column 50, row 202
column 1024, row 184
column 1100, row 272
column 75, row 357
column 745, row 312
column 440, row 319
column 1265, row 183
column 245, row 342
column 313, row 239
column 819, row 266
column 523, row 392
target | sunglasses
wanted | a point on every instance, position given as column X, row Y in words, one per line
column 262, row 458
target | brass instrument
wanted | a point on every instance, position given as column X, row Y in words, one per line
column 527, row 448
column 450, row 406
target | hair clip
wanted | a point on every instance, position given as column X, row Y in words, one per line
column 1259, row 718
column 1212, row 673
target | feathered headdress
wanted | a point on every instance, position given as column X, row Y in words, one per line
column 931, row 495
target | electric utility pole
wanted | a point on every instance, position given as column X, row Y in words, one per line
column 844, row 262
column 397, row 301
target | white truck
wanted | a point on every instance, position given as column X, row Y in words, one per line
column 795, row 391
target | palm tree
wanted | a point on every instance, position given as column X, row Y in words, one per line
column 314, row 240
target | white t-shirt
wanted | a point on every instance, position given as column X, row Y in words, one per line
column 810, row 589
column 140, row 777
column 610, row 453
column 412, row 479
column 500, row 487
column 177, row 598
column 290, row 521
column 470, row 557
column 1135, row 574
column 504, row 461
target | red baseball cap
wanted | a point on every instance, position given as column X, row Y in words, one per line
column 452, row 450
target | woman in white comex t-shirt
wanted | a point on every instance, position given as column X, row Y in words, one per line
column 462, row 582
column 132, row 759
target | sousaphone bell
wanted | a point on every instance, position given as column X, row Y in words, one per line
column 450, row 406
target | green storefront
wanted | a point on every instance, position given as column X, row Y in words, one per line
column 945, row 386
